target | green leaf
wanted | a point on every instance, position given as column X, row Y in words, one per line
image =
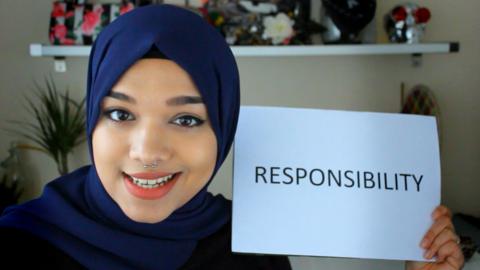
column 59, row 121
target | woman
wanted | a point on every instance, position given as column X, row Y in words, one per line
column 162, row 109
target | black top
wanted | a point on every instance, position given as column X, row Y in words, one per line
column 21, row 250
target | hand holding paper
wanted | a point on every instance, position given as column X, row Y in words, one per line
column 440, row 241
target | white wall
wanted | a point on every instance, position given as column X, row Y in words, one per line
column 372, row 83
column 365, row 83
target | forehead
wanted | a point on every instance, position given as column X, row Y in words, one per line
column 151, row 68
column 158, row 75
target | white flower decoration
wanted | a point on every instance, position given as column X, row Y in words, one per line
column 278, row 28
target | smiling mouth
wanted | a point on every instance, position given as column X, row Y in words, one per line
column 151, row 183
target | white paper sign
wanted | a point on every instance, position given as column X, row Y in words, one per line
column 334, row 183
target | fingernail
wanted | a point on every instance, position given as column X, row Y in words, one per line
column 427, row 254
column 424, row 243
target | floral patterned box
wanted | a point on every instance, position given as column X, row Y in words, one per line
column 72, row 23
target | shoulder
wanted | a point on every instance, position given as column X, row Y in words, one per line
column 214, row 252
column 16, row 243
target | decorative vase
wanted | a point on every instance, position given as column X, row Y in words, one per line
column 406, row 23
column 344, row 21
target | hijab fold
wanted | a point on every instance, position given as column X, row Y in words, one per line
column 76, row 214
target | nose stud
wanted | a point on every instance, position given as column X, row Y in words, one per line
column 151, row 165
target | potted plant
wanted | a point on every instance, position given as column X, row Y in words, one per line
column 59, row 124
column 10, row 190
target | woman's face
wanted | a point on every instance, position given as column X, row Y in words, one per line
column 154, row 113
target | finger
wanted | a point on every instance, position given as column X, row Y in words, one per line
column 440, row 224
column 445, row 236
column 451, row 254
column 441, row 211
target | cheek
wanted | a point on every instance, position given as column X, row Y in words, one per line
column 200, row 154
column 107, row 147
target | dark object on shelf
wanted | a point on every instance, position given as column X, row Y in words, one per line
column 406, row 23
column 345, row 19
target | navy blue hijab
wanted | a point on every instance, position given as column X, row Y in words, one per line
column 76, row 214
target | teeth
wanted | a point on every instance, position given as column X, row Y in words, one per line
column 151, row 183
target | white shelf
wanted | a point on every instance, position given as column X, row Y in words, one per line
column 39, row 50
column 362, row 49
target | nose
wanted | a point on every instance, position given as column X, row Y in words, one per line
column 150, row 144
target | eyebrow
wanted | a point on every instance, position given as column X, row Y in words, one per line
column 121, row 96
column 183, row 100
column 175, row 101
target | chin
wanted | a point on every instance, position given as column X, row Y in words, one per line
column 145, row 214
column 146, row 218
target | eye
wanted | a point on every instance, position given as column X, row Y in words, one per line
column 118, row 115
column 188, row 121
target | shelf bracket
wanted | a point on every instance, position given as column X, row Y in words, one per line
column 417, row 59
column 60, row 64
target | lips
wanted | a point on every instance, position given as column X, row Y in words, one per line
column 149, row 175
column 150, row 186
